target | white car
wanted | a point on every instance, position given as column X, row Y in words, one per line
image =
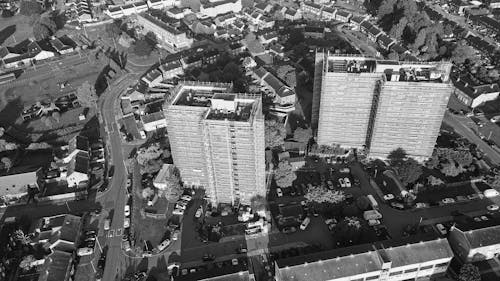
column 234, row 262
column 126, row 223
column 489, row 193
column 180, row 206
column 493, row 207
column 178, row 212
column 85, row 252
column 163, row 245
column 175, row 235
column 279, row 192
column 186, row 198
column 127, row 210
column 199, row 212
column 388, row 196
column 107, row 224
column 448, row 200
column 342, row 183
column 441, row 229
column 305, row 223
column 347, row 182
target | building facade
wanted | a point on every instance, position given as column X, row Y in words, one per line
column 217, row 141
column 171, row 38
column 361, row 102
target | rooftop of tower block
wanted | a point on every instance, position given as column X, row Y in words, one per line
column 231, row 107
column 198, row 94
column 394, row 70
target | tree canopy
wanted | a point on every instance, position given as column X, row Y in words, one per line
column 302, row 134
column 275, row 133
column 43, row 28
column 142, row 48
column 30, row 8
column 283, row 175
column 86, row 95
column 469, row 272
column 320, row 194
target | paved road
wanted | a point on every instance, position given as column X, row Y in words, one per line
column 457, row 123
column 115, row 197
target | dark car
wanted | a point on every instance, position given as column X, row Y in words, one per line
column 289, row 229
column 111, row 171
column 208, row 257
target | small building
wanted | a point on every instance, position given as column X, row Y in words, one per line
column 171, row 69
column 249, row 63
column 291, row 14
column 314, row 32
column 178, row 13
column 374, row 33
column 475, row 242
column 213, row 9
column 221, row 34
column 78, row 170
column 78, row 144
column 58, row 233
column 17, row 185
column 153, row 78
column 153, row 121
column 284, row 95
column 283, row 155
column 343, row 16
column 266, row 22
column 114, row 12
column 474, row 96
column 57, row 266
column 297, row 163
column 311, row 9
column 63, row 45
column 277, row 50
column 268, row 38
column 385, row 41
column 356, row 21
column 225, row 19
column 328, row 13
column 263, row 7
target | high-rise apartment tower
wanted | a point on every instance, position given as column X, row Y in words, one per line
column 379, row 104
column 217, row 140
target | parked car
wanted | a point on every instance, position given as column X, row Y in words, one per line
column 175, row 235
column 127, row 210
column 388, row 197
column 440, row 227
column 163, row 245
column 397, row 205
column 126, row 223
column 234, row 262
column 279, row 193
column 84, row 252
column 448, row 201
column 421, row 205
column 493, row 207
column 489, row 193
column 347, row 182
column 178, row 212
column 373, row 222
column 473, row 196
column 241, row 249
column 126, row 245
column 289, row 229
column 305, row 223
column 186, row 198
column 208, row 257
column 107, row 223
column 180, row 206
column 199, row 212
column 342, row 183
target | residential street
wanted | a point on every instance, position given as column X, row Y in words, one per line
column 457, row 123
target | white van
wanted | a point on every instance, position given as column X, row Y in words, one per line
column 305, row 223
column 85, row 252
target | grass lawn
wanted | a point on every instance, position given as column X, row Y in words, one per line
column 14, row 30
column 152, row 230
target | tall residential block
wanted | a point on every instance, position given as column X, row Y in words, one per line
column 217, row 140
column 379, row 104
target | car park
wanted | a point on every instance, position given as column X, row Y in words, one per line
column 305, row 223
column 493, row 207
column 440, row 227
column 279, row 193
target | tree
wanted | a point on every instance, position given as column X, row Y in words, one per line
column 275, row 133
column 27, row 262
column 151, row 38
column 363, row 203
column 21, row 238
column 320, row 194
column 408, row 171
column 43, row 28
column 7, row 163
column 296, row 37
column 493, row 74
column 29, row 8
column 302, row 134
column 494, row 181
column 147, row 193
column 142, row 48
column 397, row 156
column 462, row 52
column 452, row 169
column 393, row 55
column 283, row 175
column 231, row 72
column 112, row 30
column 469, row 272
column 86, row 95
column 258, row 203
column 386, row 8
column 57, row 116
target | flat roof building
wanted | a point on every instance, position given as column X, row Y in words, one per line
column 379, row 104
column 217, row 140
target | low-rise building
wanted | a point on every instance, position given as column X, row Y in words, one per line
column 475, row 242
column 314, row 32
column 311, row 9
column 268, row 38
column 263, row 7
column 277, row 50
column 291, row 14
column 284, row 95
column 78, row 169
column 24, row 54
column 178, row 13
column 373, row 33
column 343, row 16
column 385, row 41
column 57, row 266
column 225, row 20
column 153, row 78
column 356, row 21
column 171, row 69
column 328, row 13
column 17, row 185
column 58, row 233
column 168, row 36
column 78, row 144
column 162, row 4
column 153, row 121
column 165, row 181
column 409, row 259
column 474, row 95
column 63, row 45
column 213, row 9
